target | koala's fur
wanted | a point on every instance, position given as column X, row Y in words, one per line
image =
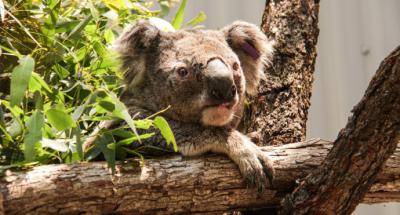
column 203, row 75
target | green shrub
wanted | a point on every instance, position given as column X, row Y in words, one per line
column 59, row 79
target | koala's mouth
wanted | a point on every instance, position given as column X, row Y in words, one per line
column 225, row 105
column 218, row 114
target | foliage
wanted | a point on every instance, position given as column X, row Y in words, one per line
column 59, row 79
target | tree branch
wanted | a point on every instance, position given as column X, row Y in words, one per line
column 209, row 184
column 360, row 150
column 278, row 115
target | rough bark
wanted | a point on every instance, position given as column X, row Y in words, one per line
column 360, row 150
column 210, row 184
column 278, row 115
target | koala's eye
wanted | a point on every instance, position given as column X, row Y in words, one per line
column 182, row 72
column 235, row 66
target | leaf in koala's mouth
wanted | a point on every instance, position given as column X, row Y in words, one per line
column 250, row 50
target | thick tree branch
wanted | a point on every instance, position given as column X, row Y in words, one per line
column 210, row 184
column 369, row 138
column 278, row 114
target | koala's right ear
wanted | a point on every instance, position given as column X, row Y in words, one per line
column 134, row 45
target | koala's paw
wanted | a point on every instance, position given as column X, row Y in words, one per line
column 255, row 166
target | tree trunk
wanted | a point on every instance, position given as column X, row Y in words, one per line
column 359, row 152
column 278, row 114
column 211, row 184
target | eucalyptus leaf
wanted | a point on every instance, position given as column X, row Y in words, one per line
column 59, row 119
column 179, row 16
column 198, row 19
column 57, row 144
column 34, row 127
column 109, row 153
column 130, row 140
column 77, row 30
column 166, row 131
column 20, row 79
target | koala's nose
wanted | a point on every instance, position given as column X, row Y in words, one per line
column 220, row 81
column 222, row 89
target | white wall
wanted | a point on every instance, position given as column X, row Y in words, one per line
column 355, row 36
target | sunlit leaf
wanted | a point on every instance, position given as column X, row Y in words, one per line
column 77, row 30
column 20, row 79
column 34, row 127
column 59, row 119
column 130, row 140
column 36, row 83
column 57, row 144
column 179, row 16
column 121, row 112
column 79, row 143
column 115, row 4
column 14, row 128
column 109, row 36
column 164, row 5
column 198, row 19
column 166, row 131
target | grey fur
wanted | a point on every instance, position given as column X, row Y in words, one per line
column 201, row 122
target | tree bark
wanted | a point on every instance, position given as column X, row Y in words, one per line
column 211, row 184
column 278, row 115
column 360, row 150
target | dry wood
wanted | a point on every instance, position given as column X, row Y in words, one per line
column 278, row 115
column 369, row 138
column 210, row 184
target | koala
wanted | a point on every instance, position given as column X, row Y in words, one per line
column 204, row 77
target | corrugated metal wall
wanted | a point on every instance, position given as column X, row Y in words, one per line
column 355, row 36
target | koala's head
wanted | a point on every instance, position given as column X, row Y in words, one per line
column 202, row 74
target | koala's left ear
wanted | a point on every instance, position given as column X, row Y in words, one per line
column 253, row 49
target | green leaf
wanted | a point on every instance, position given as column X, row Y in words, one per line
column 61, row 71
column 133, row 152
column 179, row 16
column 115, row 4
column 130, row 140
column 198, row 19
column 164, row 5
column 77, row 30
column 14, row 128
column 34, row 126
column 122, row 132
column 66, row 26
column 36, row 83
column 20, row 79
column 107, row 105
column 121, row 112
column 100, row 49
column 78, row 112
column 109, row 154
column 59, row 119
column 38, row 100
column 143, row 124
column 56, row 144
column 109, row 36
column 166, row 131
column 79, row 144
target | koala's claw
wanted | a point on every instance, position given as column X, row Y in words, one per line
column 269, row 171
column 256, row 168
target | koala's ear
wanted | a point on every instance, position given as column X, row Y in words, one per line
column 134, row 44
column 253, row 49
